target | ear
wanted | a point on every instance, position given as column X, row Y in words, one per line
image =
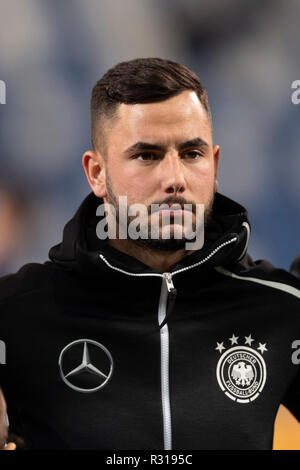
column 216, row 156
column 94, row 167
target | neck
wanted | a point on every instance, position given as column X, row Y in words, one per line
column 161, row 261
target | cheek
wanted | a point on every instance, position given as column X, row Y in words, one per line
column 135, row 186
column 203, row 175
column 201, row 184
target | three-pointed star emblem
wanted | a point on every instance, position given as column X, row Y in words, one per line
column 86, row 366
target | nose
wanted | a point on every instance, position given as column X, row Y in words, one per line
column 172, row 174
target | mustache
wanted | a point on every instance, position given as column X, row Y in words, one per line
column 172, row 201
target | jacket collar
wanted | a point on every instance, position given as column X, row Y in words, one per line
column 226, row 240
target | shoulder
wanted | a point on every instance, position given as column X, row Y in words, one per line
column 30, row 278
column 263, row 273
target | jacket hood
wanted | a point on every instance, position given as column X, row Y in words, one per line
column 226, row 240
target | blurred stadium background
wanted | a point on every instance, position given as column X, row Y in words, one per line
column 52, row 53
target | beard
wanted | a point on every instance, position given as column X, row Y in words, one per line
column 159, row 243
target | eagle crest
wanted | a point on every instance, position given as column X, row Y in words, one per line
column 242, row 374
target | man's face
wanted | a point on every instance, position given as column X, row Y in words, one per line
column 162, row 153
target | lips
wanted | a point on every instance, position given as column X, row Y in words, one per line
column 175, row 208
column 171, row 209
column 172, row 214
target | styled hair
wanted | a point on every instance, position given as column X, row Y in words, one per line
column 145, row 80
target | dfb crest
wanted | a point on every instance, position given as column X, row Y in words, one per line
column 241, row 369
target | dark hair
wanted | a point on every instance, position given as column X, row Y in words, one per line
column 140, row 81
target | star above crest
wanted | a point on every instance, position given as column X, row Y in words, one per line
column 220, row 347
column 249, row 340
column 233, row 339
column 262, row 348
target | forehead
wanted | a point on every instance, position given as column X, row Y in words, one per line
column 174, row 120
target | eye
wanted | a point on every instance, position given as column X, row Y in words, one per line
column 192, row 154
column 146, row 156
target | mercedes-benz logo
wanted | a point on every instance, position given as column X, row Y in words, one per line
column 86, row 373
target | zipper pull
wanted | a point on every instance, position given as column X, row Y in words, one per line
column 172, row 293
column 168, row 278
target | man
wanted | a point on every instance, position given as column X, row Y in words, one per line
column 139, row 342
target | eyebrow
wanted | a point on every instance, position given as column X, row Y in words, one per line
column 139, row 146
column 197, row 142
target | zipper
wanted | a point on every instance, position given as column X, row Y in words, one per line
column 166, row 287
column 167, row 291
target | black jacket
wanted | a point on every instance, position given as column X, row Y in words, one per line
column 90, row 366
